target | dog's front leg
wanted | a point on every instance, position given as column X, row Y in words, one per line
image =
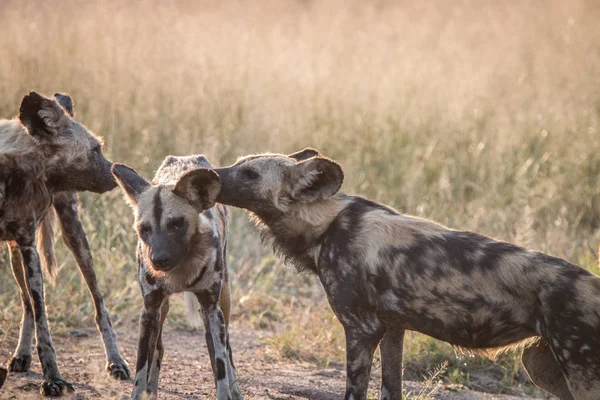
column 67, row 207
column 225, row 303
column 392, row 348
column 214, row 325
column 148, row 338
column 160, row 351
column 53, row 384
column 361, row 343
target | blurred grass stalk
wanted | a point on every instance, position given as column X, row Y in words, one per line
column 481, row 115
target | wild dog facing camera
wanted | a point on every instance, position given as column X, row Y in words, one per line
column 166, row 216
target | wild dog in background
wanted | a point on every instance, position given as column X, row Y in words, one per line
column 385, row 272
column 42, row 153
column 182, row 244
column 66, row 205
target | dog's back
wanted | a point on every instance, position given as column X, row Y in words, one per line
column 14, row 137
column 174, row 167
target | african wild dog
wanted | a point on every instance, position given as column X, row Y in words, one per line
column 43, row 153
column 182, row 243
column 385, row 272
column 66, row 206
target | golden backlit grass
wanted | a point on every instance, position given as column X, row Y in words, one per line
column 481, row 115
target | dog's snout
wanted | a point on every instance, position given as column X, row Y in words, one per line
column 160, row 261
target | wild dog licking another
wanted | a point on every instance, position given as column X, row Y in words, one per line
column 182, row 242
column 385, row 273
column 43, row 153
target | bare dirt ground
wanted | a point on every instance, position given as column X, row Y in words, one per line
column 186, row 373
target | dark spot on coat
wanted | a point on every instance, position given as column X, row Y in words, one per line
column 150, row 278
column 38, row 304
column 221, row 373
column 158, row 207
column 199, row 277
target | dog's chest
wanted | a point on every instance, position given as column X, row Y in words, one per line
column 21, row 209
column 20, row 223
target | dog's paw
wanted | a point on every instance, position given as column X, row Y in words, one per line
column 235, row 392
column 118, row 369
column 55, row 387
column 19, row 364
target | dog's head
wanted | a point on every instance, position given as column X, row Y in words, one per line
column 75, row 159
column 270, row 185
column 167, row 217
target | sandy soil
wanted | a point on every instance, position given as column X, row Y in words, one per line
column 186, row 373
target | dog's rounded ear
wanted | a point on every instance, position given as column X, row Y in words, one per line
column 131, row 182
column 316, row 179
column 304, row 154
column 41, row 116
column 66, row 102
column 200, row 187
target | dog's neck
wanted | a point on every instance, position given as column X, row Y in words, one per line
column 23, row 157
column 296, row 235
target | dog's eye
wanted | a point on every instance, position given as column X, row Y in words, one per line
column 97, row 149
column 250, row 174
column 176, row 224
column 145, row 230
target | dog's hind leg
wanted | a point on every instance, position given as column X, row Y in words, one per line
column 21, row 360
column 53, row 384
column 392, row 348
column 544, row 371
column 67, row 207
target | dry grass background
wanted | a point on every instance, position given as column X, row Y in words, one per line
column 481, row 115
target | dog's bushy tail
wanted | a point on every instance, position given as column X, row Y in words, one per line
column 192, row 310
column 45, row 243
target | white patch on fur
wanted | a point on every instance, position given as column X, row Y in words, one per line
column 585, row 347
column 538, row 327
column 14, row 137
column 316, row 252
column 205, row 224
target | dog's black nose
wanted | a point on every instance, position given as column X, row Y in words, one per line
column 160, row 261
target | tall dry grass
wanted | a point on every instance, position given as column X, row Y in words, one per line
column 481, row 115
